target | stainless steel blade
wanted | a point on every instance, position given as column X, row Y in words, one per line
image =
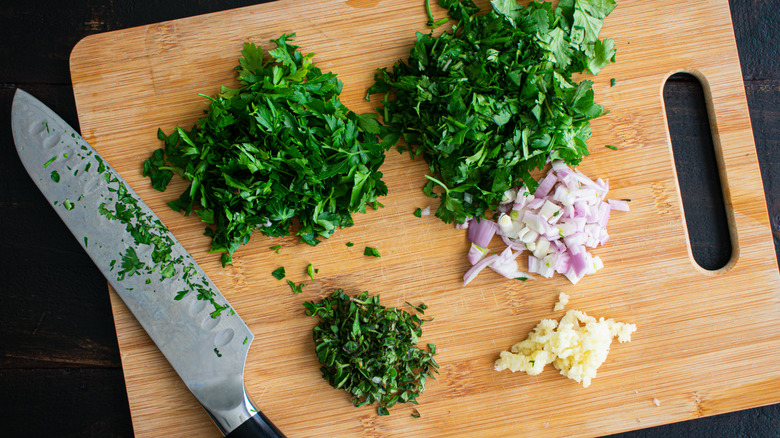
column 180, row 308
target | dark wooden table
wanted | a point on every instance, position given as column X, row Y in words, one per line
column 60, row 370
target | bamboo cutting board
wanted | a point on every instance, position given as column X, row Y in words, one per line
column 707, row 342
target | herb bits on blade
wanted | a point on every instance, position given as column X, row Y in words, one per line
column 370, row 350
column 494, row 99
column 279, row 146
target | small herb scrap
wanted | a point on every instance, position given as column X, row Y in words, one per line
column 55, row 176
column 310, row 270
column 350, row 244
column 371, row 252
column 216, row 351
column 612, row 82
column 277, row 248
column 494, row 99
column 296, row 288
column 418, row 212
column 370, row 350
column 614, row 148
column 282, row 145
column 68, row 204
column 278, row 273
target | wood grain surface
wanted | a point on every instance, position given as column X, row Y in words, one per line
column 706, row 340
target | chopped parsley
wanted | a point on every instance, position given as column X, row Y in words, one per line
column 282, row 145
column 373, row 252
column 278, row 273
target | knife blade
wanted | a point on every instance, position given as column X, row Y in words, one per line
column 181, row 309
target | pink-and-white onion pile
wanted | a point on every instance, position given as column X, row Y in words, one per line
column 567, row 214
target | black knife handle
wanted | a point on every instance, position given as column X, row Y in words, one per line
column 257, row 426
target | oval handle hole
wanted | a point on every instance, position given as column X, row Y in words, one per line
column 697, row 171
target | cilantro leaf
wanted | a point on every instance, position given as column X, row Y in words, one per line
column 493, row 99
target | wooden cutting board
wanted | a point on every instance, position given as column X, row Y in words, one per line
column 707, row 342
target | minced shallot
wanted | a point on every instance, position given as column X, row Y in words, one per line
column 567, row 214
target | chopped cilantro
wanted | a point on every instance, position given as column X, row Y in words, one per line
column 494, row 98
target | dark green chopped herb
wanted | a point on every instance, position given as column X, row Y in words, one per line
column 51, row 160
column 181, row 294
column 521, row 278
column 246, row 339
column 612, row 82
column 86, row 241
column 216, row 351
column 277, row 248
column 311, row 271
column 431, row 23
column 146, row 230
column 421, row 308
column 130, row 263
column 614, row 148
column 418, row 212
column 371, row 252
column 68, row 204
column 282, row 145
column 148, row 281
column 55, row 176
column 350, row 244
column 278, row 273
column 492, row 100
column 295, row 288
column 382, row 411
column 415, row 413
column 370, row 350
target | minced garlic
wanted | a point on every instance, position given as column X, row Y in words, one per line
column 563, row 300
column 576, row 346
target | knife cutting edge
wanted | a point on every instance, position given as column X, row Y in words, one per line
column 180, row 308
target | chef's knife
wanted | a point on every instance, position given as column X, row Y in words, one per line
column 180, row 308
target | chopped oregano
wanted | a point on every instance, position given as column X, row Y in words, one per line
column 370, row 350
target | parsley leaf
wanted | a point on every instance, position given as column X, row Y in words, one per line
column 278, row 147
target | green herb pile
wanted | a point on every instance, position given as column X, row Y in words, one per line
column 280, row 146
column 370, row 350
column 494, row 99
